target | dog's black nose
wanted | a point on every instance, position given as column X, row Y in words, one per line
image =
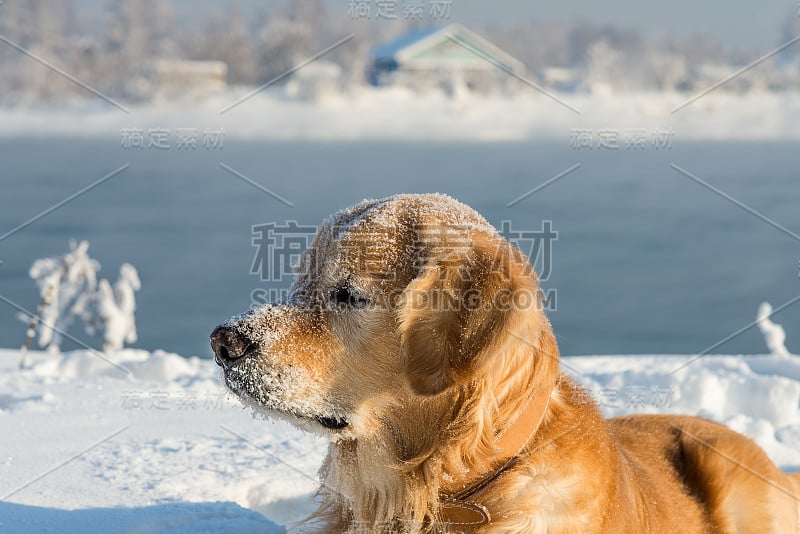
column 228, row 345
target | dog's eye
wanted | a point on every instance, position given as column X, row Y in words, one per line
column 346, row 296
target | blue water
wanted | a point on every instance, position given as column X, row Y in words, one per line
column 647, row 260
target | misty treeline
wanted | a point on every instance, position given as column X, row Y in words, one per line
column 115, row 53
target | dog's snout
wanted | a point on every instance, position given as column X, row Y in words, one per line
column 228, row 345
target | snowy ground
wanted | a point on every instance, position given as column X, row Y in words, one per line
column 391, row 114
column 156, row 445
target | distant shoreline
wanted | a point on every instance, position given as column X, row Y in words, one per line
column 400, row 114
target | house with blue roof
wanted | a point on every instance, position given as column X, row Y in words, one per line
column 442, row 57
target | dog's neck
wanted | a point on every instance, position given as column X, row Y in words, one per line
column 460, row 508
column 486, row 423
column 503, row 411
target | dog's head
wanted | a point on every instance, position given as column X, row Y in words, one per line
column 396, row 300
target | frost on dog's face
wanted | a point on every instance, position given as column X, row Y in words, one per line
column 331, row 355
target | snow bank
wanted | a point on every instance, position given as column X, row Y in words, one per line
column 158, row 366
column 756, row 395
column 156, row 444
column 399, row 114
column 152, row 443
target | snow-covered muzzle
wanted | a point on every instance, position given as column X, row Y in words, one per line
column 265, row 353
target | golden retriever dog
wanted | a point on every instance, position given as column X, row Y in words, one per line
column 414, row 338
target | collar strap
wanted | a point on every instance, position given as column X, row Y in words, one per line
column 456, row 509
column 463, row 514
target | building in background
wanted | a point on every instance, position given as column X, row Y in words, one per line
column 446, row 57
column 174, row 78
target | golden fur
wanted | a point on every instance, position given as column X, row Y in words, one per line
column 426, row 365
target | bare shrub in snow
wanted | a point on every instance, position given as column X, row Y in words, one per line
column 110, row 313
column 69, row 289
column 65, row 282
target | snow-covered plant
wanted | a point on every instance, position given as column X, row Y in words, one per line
column 110, row 312
column 64, row 282
column 69, row 289
column 774, row 335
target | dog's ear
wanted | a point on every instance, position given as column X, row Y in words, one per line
column 458, row 310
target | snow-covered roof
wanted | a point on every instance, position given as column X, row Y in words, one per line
column 449, row 45
column 392, row 48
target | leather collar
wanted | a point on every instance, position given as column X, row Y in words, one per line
column 457, row 509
